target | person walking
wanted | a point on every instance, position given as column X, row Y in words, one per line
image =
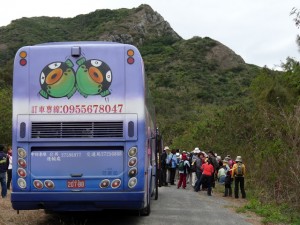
column 238, row 173
column 4, row 162
column 9, row 170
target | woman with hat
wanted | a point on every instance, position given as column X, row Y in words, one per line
column 238, row 173
column 228, row 189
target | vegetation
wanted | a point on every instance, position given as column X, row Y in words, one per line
column 235, row 109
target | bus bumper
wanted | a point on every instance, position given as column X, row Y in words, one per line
column 87, row 201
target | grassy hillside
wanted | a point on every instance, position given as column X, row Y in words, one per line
column 183, row 75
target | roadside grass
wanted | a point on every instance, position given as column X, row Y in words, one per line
column 270, row 213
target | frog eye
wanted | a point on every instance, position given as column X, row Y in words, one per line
column 96, row 63
column 96, row 75
column 54, row 65
column 43, row 78
column 108, row 76
column 54, row 76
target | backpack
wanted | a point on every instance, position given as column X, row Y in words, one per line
column 181, row 166
column 239, row 169
column 194, row 166
column 170, row 162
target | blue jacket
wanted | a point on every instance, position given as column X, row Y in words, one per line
column 173, row 158
column 4, row 162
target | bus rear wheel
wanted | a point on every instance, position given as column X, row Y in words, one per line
column 145, row 211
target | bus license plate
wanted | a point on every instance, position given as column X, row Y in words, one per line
column 76, row 183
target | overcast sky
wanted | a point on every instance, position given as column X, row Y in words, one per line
column 262, row 32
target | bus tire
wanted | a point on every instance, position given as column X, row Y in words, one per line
column 48, row 212
column 145, row 211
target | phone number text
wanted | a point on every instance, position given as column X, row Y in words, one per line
column 77, row 109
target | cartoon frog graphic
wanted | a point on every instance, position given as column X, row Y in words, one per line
column 57, row 80
column 93, row 77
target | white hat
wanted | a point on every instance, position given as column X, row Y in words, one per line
column 166, row 148
column 226, row 159
column 239, row 159
column 196, row 150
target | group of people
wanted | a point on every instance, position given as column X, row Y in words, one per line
column 5, row 169
column 202, row 170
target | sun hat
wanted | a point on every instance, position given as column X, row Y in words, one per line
column 226, row 159
column 239, row 159
column 196, row 150
column 166, row 148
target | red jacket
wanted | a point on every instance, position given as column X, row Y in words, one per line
column 208, row 169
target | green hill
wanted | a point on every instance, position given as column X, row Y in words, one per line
column 183, row 75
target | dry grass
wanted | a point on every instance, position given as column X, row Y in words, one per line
column 9, row 216
column 237, row 204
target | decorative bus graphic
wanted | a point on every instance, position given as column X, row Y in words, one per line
column 93, row 77
column 77, row 149
column 58, row 79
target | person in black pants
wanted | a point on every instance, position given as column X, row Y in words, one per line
column 163, row 165
column 238, row 173
column 172, row 164
column 9, row 170
column 3, row 170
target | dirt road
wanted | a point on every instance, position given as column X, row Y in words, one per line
column 174, row 206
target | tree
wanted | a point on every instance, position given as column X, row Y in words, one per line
column 296, row 12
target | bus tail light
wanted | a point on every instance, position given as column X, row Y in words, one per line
column 49, row 184
column 22, row 163
column 132, row 182
column 133, row 169
column 22, row 183
column 130, row 60
column 130, row 54
column 22, row 173
column 132, row 162
column 38, row 184
column 132, row 172
column 104, row 184
column 22, row 153
column 116, row 183
column 23, row 60
column 132, row 151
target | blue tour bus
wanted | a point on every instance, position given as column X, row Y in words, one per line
column 84, row 132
